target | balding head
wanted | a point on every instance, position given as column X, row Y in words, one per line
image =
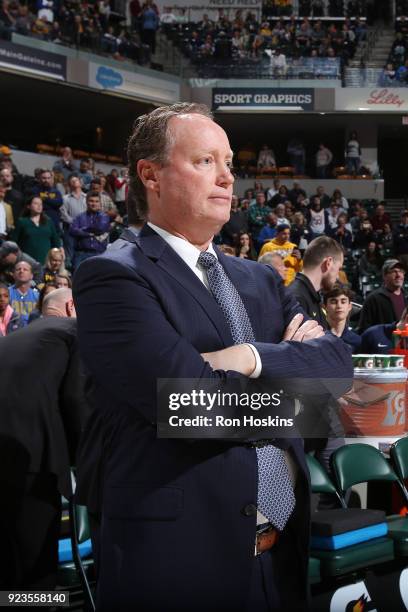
column 59, row 303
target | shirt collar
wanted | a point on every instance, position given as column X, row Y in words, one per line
column 184, row 249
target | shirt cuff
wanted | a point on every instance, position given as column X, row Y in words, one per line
column 258, row 363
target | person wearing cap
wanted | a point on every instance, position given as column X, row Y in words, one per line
column 10, row 255
column 386, row 304
column 288, row 250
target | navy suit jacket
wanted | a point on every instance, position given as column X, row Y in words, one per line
column 178, row 518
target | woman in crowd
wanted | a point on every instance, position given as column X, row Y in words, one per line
column 35, row 233
column 371, row 260
column 299, row 231
column 340, row 199
column 63, row 279
column 245, row 248
column 54, row 264
column 9, row 319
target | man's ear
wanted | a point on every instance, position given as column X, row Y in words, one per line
column 326, row 264
column 148, row 172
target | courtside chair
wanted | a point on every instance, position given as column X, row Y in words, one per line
column 358, row 463
column 348, row 559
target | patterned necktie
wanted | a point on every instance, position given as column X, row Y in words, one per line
column 276, row 499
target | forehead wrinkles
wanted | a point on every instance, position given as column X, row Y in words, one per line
column 184, row 129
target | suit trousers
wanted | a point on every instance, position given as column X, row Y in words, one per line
column 30, row 522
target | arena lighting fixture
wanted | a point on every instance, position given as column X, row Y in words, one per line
column 363, row 108
column 257, row 109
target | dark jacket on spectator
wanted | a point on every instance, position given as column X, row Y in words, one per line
column 237, row 223
column 52, row 202
column 377, row 308
column 309, row 299
column 401, row 240
column 86, row 226
column 378, row 339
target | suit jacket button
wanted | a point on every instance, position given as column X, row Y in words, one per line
column 249, row 510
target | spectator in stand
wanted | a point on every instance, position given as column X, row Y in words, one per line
column 23, row 297
column 35, row 233
column 258, row 214
column 288, row 250
column 353, row 154
column 378, row 339
column 317, row 218
column 7, row 21
column 107, row 204
column 66, row 165
column 401, row 239
column 364, row 235
column 388, row 75
column 276, row 261
column 338, row 306
column 149, row 22
column 245, row 248
column 280, row 197
column 324, row 158
column 63, row 279
column 54, row 265
column 371, row 261
column 85, row 174
column 280, row 212
column 386, row 239
column 295, row 192
column 380, row 218
column 9, row 319
column 135, row 10
column 121, row 189
column 302, row 205
column 12, row 196
column 299, row 231
column 332, row 214
column 341, row 200
column 341, row 233
column 268, row 231
column 51, row 198
column 297, row 155
column 322, row 195
column 385, row 305
column 266, row 160
column 10, row 254
column 74, row 204
column 272, row 191
column 357, row 219
column 6, row 215
column 90, row 230
column 237, row 224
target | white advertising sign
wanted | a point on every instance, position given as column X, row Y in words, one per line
column 133, row 84
column 374, row 99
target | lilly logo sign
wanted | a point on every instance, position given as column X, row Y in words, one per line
column 108, row 78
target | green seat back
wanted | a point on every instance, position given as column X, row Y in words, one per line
column 355, row 463
column 320, row 479
column 399, row 456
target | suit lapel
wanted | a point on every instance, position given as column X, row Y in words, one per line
column 154, row 247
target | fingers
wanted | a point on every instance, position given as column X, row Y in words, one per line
column 293, row 326
column 308, row 331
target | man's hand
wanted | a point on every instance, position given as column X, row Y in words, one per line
column 239, row 358
column 296, row 331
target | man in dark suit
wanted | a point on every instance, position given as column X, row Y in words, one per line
column 42, row 407
column 179, row 517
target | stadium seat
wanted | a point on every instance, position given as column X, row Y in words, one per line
column 76, row 562
column 351, row 558
column 357, row 463
column 339, row 170
column 286, row 171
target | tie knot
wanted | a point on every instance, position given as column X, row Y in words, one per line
column 207, row 260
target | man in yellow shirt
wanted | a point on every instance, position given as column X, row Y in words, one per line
column 288, row 250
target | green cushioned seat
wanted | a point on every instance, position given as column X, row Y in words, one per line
column 398, row 531
column 352, row 558
column 314, row 570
